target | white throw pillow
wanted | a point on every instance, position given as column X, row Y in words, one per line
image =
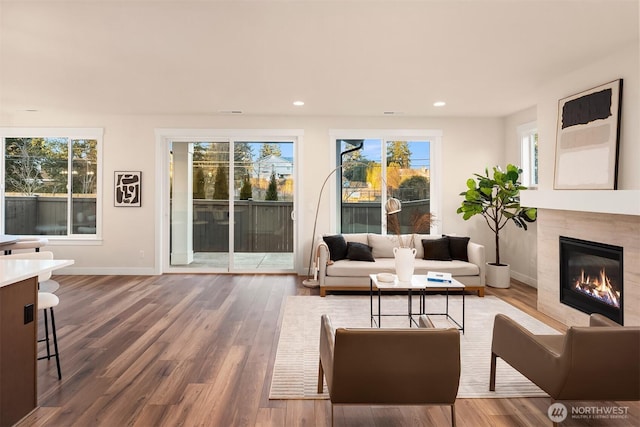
column 356, row 237
column 382, row 246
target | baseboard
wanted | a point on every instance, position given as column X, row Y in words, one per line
column 106, row 271
column 524, row 279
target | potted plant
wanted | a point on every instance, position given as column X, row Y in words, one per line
column 497, row 199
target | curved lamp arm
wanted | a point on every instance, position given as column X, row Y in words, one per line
column 309, row 282
column 393, row 205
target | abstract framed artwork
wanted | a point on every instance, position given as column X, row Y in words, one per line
column 587, row 139
column 128, row 188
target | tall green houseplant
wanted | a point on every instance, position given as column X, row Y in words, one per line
column 497, row 199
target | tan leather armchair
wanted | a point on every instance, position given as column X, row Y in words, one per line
column 596, row 362
column 413, row 366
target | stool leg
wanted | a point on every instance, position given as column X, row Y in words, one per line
column 55, row 343
column 46, row 333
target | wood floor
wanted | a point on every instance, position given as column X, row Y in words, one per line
column 198, row 350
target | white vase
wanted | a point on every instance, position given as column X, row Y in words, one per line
column 405, row 262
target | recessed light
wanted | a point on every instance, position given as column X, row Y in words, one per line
column 392, row 113
column 439, row 104
column 298, row 103
column 31, row 110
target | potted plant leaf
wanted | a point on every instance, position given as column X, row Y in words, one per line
column 497, row 199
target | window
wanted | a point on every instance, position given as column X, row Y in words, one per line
column 51, row 182
column 374, row 169
column 529, row 154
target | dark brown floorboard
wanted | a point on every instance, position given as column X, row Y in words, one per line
column 198, row 350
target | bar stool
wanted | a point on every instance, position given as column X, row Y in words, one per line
column 47, row 300
column 34, row 243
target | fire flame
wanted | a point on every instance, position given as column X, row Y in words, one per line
column 599, row 287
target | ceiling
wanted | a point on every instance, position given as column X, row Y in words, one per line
column 348, row 58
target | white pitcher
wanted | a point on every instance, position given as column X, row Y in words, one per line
column 405, row 263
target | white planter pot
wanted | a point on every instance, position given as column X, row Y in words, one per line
column 498, row 276
column 405, row 263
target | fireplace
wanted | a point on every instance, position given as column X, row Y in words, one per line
column 591, row 276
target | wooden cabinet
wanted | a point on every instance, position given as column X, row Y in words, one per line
column 18, row 328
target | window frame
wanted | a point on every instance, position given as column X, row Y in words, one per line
column 528, row 152
column 434, row 136
column 70, row 134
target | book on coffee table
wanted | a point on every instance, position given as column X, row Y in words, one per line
column 434, row 276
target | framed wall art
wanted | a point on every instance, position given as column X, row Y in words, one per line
column 587, row 139
column 128, row 188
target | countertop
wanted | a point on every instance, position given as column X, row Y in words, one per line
column 15, row 270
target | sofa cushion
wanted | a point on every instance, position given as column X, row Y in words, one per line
column 337, row 247
column 356, row 237
column 348, row 268
column 458, row 247
column 455, row 267
column 359, row 252
column 417, row 243
column 436, row 249
column 382, row 246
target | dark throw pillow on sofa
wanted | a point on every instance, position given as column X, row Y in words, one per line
column 458, row 247
column 359, row 252
column 337, row 247
column 436, row 249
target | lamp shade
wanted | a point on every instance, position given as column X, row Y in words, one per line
column 393, row 205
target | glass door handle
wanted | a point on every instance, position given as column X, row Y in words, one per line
column 293, row 215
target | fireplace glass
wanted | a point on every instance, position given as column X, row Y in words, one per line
column 591, row 277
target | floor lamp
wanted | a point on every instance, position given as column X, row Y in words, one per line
column 392, row 206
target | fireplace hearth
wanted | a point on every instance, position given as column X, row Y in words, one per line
column 591, row 277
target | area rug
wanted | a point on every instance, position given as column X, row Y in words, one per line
column 295, row 373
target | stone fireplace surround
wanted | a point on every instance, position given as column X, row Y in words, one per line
column 614, row 229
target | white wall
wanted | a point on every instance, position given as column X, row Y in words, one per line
column 130, row 144
column 621, row 64
column 518, row 248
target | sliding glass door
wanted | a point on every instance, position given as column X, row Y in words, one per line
column 263, row 205
column 231, row 205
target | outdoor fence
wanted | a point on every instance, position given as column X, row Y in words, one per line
column 259, row 226
column 41, row 215
column 366, row 217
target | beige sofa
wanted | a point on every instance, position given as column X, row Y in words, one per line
column 346, row 274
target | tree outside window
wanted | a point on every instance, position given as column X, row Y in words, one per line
column 405, row 172
column 50, row 185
